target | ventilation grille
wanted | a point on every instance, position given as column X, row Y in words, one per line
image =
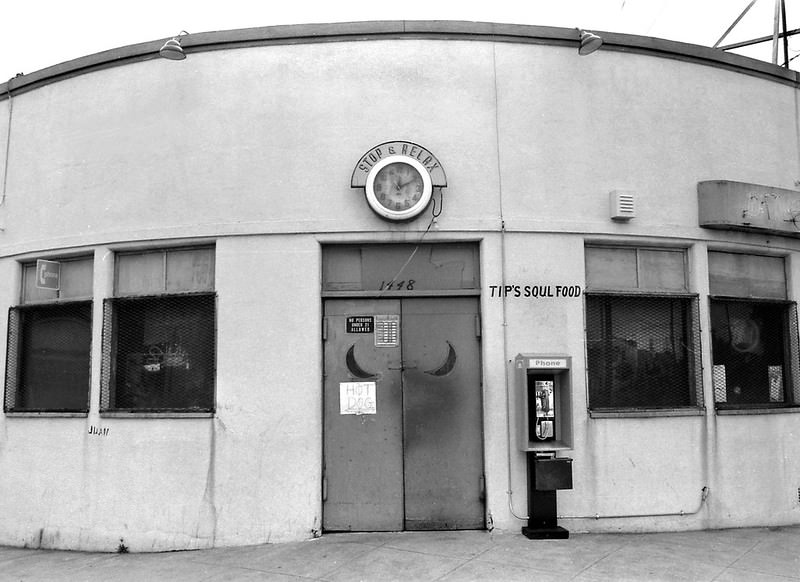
column 623, row 205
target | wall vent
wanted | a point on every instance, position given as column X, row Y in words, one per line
column 623, row 205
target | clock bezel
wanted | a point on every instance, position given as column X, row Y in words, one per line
column 407, row 213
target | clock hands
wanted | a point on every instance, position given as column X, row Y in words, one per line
column 398, row 189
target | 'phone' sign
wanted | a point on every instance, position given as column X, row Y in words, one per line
column 48, row 275
column 548, row 363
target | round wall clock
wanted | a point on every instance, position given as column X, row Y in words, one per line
column 398, row 187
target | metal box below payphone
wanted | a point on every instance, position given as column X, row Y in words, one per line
column 543, row 402
column 551, row 473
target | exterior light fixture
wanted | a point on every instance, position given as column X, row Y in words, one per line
column 590, row 42
column 172, row 49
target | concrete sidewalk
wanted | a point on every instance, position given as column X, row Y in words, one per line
column 758, row 554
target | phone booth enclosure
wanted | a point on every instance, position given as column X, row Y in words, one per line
column 543, row 402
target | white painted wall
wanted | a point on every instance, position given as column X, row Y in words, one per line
column 254, row 148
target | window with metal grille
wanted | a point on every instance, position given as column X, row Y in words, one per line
column 641, row 352
column 161, row 353
column 159, row 349
column 642, row 330
column 48, row 359
column 754, row 332
column 754, row 345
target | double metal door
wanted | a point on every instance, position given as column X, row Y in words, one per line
column 403, row 416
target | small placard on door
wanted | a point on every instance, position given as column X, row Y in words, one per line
column 387, row 331
column 357, row 398
column 360, row 324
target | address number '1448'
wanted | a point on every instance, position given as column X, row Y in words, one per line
column 397, row 285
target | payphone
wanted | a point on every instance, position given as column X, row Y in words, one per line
column 543, row 403
column 544, row 427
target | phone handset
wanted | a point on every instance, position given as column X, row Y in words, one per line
column 544, row 429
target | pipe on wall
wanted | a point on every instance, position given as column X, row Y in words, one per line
column 703, row 496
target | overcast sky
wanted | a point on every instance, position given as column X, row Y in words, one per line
column 35, row 34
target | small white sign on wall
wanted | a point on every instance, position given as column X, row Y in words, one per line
column 48, row 275
column 357, row 398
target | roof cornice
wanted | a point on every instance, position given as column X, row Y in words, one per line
column 398, row 29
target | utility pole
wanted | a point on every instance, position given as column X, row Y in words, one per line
column 777, row 33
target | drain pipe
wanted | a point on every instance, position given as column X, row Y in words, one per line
column 506, row 360
column 509, row 415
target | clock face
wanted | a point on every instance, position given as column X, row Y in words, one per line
column 398, row 188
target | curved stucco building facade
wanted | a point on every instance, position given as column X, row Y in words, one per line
column 213, row 339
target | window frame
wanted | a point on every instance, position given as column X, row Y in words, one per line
column 693, row 353
column 16, row 338
column 759, row 294
column 111, row 331
column 640, row 288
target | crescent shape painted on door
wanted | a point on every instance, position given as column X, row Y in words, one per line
column 352, row 365
column 448, row 365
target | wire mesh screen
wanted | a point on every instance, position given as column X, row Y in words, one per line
column 48, row 358
column 755, row 352
column 159, row 353
column 643, row 352
column 12, row 360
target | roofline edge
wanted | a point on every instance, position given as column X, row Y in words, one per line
column 396, row 29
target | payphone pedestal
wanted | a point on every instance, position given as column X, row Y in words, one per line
column 546, row 474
